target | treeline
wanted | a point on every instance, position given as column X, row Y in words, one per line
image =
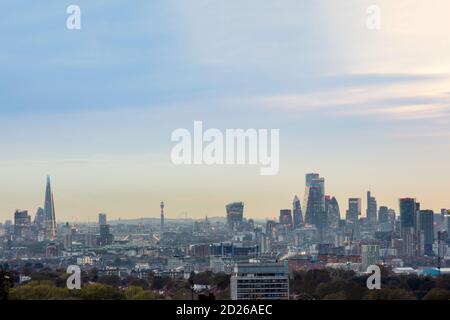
column 49, row 284
column 313, row 284
column 346, row 285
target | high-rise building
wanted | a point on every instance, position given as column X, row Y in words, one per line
column 22, row 225
column 446, row 214
column 314, row 202
column 408, row 210
column 235, row 214
column 106, row 238
column 408, row 224
column 370, row 255
column 39, row 218
column 371, row 212
column 426, row 226
column 354, row 210
column 271, row 228
column 383, row 214
column 265, row 243
column 333, row 212
column 297, row 213
column 260, row 281
column 49, row 212
column 286, row 218
column 309, row 177
column 313, row 206
column 102, row 219
column 314, row 180
column 8, row 230
column 162, row 215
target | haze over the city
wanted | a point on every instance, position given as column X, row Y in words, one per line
column 95, row 108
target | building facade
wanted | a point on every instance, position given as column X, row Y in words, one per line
column 260, row 281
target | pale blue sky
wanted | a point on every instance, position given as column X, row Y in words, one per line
column 95, row 108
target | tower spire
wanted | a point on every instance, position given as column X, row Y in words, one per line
column 49, row 212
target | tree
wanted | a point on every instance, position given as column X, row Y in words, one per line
column 390, row 294
column 354, row 291
column 443, row 281
column 132, row 291
column 98, row 291
column 328, row 288
column 39, row 290
column 112, row 280
column 203, row 278
column 5, row 284
column 137, row 282
column 159, row 283
column 46, row 275
column 145, row 295
column 335, row 296
column 138, row 293
column 437, row 294
column 307, row 282
column 221, row 281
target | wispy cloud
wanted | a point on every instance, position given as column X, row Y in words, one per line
column 402, row 97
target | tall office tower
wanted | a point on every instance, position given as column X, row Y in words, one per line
column 265, row 243
column 371, row 212
column 446, row 213
column 260, row 281
column 313, row 206
column 106, row 238
column 49, row 211
column 314, row 180
column 102, row 219
column 39, row 224
column 235, row 214
column 408, row 223
column 370, row 255
column 392, row 218
column 383, row 214
column 354, row 210
column 286, row 218
column 314, row 202
column 297, row 213
column 22, row 225
column 408, row 212
column 162, row 215
column 39, row 218
column 309, row 177
column 426, row 226
column 333, row 212
column 8, row 230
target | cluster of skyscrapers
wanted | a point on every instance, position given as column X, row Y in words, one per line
column 260, row 255
column 43, row 227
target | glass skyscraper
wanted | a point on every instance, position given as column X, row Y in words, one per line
column 49, row 212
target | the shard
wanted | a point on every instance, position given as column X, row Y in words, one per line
column 49, row 212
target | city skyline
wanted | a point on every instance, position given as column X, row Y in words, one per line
column 48, row 207
column 95, row 108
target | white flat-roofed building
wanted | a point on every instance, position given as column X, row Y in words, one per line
column 260, row 281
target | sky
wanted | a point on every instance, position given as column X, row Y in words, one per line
column 95, row 108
